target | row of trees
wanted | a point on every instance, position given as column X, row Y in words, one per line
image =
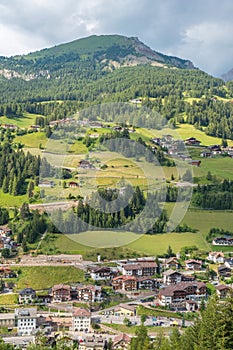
column 15, row 168
column 218, row 196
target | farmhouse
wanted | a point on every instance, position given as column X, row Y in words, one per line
column 89, row 293
column 206, row 154
column 61, row 292
column 5, row 231
column 171, row 263
column 35, row 127
column 121, row 342
column 223, row 291
column 73, row 184
column 182, row 291
column 46, row 183
column 6, row 272
column 85, row 164
column 27, row 295
column 172, row 277
column 96, row 125
column 99, row 273
column 192, row 141
column 226, row 241
column 126, row 283
column 229, row 263
column 216, row 257
column 9, row 126
column 140, row 269
column 192, row 264
column 224, row 271
column 195, row 162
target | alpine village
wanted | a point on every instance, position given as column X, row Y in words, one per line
column 99, row 120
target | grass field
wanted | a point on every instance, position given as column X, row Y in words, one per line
column 44, row 277
column 158, row 244
column 8, row 299
column 78, row 148
column 25, row 121
column 130, row 244
column 183, row 131
column 32, row 140
column 203, row 220
column 7, row 200
column 145, row 244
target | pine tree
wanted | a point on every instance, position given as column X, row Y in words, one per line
column 15, row 187
column 5, row 184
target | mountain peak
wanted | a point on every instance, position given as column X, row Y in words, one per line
column 116, row 48
column 109, row 52
column 228, row 76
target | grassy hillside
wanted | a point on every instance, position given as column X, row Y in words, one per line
column 44, row 277
column 24, row 121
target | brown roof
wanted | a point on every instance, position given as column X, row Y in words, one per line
column 100, row 268
column 169, row 291
column 222, row 287
column 192, row 261
column 145, row 278
column 140, row 266
column 81, row 312
column 90, row 287
column 121, row 337
column 172, row 259
column 125, row 306
column 171, row 272
column 125, row 278
column 61, row 286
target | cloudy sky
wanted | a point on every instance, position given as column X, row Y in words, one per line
column 200, row 30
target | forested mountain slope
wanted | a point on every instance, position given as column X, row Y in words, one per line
column 114, row 68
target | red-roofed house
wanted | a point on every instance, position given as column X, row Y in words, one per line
column 121, row 342
column 195, row 265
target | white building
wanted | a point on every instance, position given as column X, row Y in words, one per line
column 216, row 257
column 26, row 320
column 81, row 320
column 27, row 295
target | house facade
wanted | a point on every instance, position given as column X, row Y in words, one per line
column 223, row 291
column 81, row 320
column 216, row 257
column 26, row 321
column 140, row 269
column 27, row 295
column 194, row 265
column 89, row 293
column 181, row 292
column 126, row 283
column 61, row 292
column 101, row 273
